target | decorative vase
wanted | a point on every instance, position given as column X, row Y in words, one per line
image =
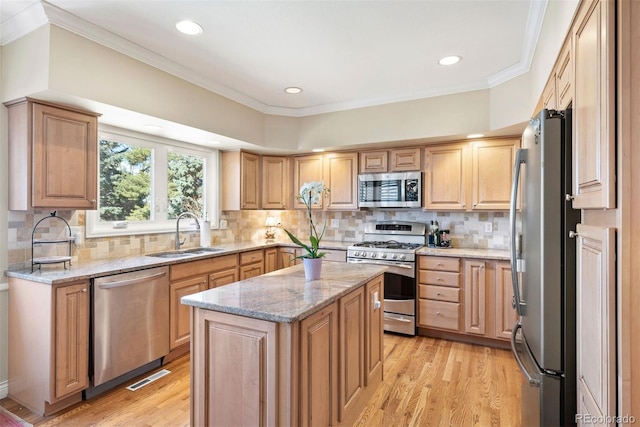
column 312, row 268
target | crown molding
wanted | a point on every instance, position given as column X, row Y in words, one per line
column 42, row 12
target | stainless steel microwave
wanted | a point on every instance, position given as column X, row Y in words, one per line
column 390, row 190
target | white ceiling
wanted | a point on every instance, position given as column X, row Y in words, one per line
column 344, row 54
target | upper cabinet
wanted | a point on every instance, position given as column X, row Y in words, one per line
column 445, row 186
column 396, row 160
column 594, row 106
column 491, row 170
column 241, row 173
column 275, row 182
column 558, row 93
column 341, row 176
column 469, row 176
column 306, row 169
column 53, row 156
column 338, row 171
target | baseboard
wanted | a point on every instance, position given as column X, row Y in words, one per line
column 4, row 389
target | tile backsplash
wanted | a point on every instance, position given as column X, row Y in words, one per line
column 467, row 230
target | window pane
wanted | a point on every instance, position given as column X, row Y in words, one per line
column 125, row 182
column 186, row 174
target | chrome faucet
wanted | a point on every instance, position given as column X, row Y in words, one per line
column 182, row 215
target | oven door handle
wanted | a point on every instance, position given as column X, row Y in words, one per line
column 370, row 261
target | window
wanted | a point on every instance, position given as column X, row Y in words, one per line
column 146, row 182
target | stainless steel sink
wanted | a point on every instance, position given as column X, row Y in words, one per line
column 203, row 250
column 185, row 253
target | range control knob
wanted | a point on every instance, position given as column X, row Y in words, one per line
column 403, row 257
column 394, row 256
column 372, row 254
column 384, row 255
column 356, row 253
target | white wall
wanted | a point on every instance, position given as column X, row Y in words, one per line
column 4, row 294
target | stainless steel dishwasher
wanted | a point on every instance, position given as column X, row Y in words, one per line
column 130, row 322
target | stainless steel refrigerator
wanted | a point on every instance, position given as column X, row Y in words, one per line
column 543, row 271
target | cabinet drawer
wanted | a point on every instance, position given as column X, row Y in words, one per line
column 440, row 278
column 202, row 266
column 439, row 314
column 251, row 257
column 439, row 263
column 440, row 293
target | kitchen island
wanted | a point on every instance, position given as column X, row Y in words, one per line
column 278, row 350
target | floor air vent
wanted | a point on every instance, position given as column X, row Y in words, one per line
column 151, row 378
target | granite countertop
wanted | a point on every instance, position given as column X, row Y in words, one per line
column 84, row 270
column 498, row 254
column 284, row 295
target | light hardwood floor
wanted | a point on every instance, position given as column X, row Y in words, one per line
column 427, row 382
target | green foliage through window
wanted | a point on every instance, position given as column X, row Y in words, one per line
column 125, row 182
column 186, row 178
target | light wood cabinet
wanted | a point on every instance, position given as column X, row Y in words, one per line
column 396, row 160
column 287, row 257
column 475, row 297
column 445, row 186
column 352, row 350
column 240, row 181
column 596, row 321
column 53, row 156
column 319, row 371
column 48, row 344
column 319, row 368
column 491, row 173
column 594, row 106
column 180, row 330
column 439, row 293
column 405, row 159
column 469, row 176
column 505, row 315
column 306, row 169
column 189, row 278
column 374, row 161
column 270, row 260
column 341, row 177
column 251, row 264
column 275, row 182
column 558, row 92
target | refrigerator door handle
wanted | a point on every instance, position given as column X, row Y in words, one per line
column 533, row 382
column 521, row 157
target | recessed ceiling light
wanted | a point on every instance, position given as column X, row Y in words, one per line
column 153, row 127
column 189, row 28
column 475, row 135
column 450, row 60
column 293, row 90
column 318, row 150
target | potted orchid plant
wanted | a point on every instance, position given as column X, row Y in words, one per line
column 311, row 194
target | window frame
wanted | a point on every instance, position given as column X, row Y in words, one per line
column 160, row 146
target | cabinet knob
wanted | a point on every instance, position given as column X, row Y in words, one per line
column 439, row 279
column 84, row 290
column 93, row 202
column 438, row 293
column 573, row 234
column 569, row 197
column 437, row 313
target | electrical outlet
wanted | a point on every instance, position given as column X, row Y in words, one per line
column 223, row 224
column 335, row 223
column 488, row 227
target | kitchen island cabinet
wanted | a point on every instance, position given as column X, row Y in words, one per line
column 277, row 350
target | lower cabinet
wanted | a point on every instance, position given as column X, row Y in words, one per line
column 189, row 278
column 48, row 341
column 180, row 329
column 470, row 296
column 270, row 260
column 251, row 264
column 320, row 371
column 288, row 257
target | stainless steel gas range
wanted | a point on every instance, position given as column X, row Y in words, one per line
column 394, row 244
